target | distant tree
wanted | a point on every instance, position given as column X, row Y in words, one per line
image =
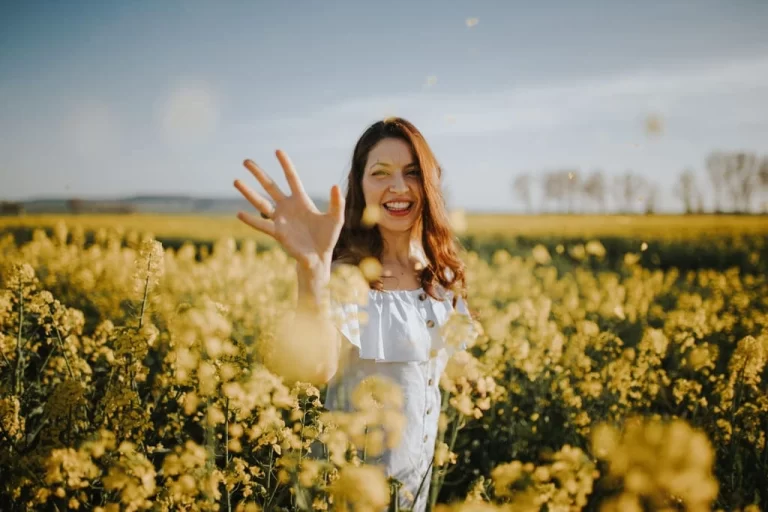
column 75, row 205
column 11, row 208
column 521, row 187
column 762, row 179
column 629, row 189
column 594, row 189
column 686, row 190
column 553, row 188
column 651, row 199
column 699, row 203
column 741, row 179
column 572, row 188
column 559, row 186
column 715, row 164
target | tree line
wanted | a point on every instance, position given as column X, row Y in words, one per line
column 738, row 182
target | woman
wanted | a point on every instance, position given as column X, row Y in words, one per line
column 396, row 180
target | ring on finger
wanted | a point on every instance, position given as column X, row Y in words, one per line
column 268, row 215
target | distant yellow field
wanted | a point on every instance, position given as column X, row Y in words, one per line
column 645, row 226
column 206, row 227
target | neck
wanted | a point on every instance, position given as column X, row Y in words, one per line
column 397, row 247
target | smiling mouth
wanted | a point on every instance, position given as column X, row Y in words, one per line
column 398, row 206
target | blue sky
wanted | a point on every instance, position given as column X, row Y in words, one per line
column 118, row 98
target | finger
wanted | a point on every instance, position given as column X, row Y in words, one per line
column 256, row 199
column 336, row 204
column 269, row 185
column 290, row 173
column 265, row 226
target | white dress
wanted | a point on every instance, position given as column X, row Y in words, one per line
column 401, row 340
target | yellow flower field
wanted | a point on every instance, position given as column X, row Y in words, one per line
column 140, row 377
column 211, row 227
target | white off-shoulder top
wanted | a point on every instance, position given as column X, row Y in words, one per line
column 399, row 337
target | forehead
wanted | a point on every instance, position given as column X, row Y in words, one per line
column 395, row 152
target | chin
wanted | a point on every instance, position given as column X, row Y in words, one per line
column 396, row 227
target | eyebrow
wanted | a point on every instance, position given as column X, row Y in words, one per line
column 385, row 164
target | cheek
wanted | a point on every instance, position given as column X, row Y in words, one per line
column 372, row 191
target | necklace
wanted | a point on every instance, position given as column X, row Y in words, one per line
column 394, row 280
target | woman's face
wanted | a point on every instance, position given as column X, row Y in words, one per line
column 392, row 180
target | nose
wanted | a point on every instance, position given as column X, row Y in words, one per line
column 398, row 184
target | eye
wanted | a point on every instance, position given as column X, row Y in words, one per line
column 415, row 172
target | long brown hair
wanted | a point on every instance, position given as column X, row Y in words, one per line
column 441, row 246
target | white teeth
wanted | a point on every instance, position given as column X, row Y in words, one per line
column 397, row 205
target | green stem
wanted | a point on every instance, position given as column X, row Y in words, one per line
column 301, row 434
column 269, row 477
column 394, row 494
column 226, row 449
column 19, row 354
column 433, row 488
column 739, row 385
column 454, row 435
column 423, row 479
column 134, row 385
column 63, row 352
column 45, row 363
column 209, row 442
column 457, row 425
column 146, row 293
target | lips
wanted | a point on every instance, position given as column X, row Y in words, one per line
column 398, row 206
column 398, row 209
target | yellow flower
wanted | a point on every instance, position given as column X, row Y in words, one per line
column 371, row 268
column 443, row 455
column 375, row 392
column 541, row 255
column 371, row 215
column 361, row 489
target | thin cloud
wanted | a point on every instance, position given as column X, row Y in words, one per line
column 724, row 88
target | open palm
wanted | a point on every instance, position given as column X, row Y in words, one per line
column 303, row 231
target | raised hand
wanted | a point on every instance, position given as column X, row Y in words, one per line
column 303, row 231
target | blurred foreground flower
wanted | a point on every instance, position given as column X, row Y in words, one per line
column 541, row 255
column 371, row 268
column 303, row 349
column 666, row 464
column 360, row 489
column 596, row 249
column 371, row 215
column 150, row 265
column 564, row 484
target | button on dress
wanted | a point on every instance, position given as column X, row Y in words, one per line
column 398, row 336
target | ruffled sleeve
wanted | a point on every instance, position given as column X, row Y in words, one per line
column 396, row 326
column 346, row 318
column 404, row 325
